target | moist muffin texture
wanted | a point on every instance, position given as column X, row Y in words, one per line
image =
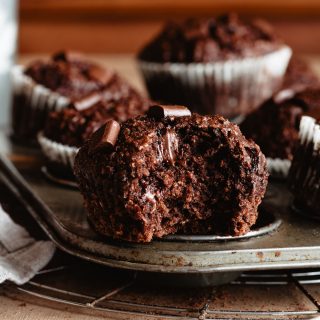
column 212, row 39
column 275, row 125
column 72, row 126
column 191, row 174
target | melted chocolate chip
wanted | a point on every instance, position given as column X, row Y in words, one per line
column 170, row 146
column 87, row 102
column 160, row 111
column 105, row 137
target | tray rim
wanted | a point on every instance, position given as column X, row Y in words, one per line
column 37, row 209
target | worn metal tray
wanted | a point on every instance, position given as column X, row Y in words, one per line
column 59, row 211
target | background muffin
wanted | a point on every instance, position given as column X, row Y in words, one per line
column 46, row 86
column 275, row 125
column 304, row 175
column 219, row 65
column 67, row 130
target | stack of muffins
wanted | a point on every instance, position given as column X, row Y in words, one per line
column 147, row 170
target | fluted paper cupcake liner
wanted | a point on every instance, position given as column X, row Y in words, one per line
column 229, row 88
column 304, row 175
column 58, row 153
column 32, row 103
column 278, row 168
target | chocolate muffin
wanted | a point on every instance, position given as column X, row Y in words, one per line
column 52, row 85
column 275, row 125
column 299, row 76
column 67, row 130
column 170, row 171
column 221, row 65
column 304, row 175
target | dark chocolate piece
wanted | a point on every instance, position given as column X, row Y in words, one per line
column 68, row 56
column 87, row 102
column 160, row 111
column 105, row 137
column 170, row 146
column 196, row 175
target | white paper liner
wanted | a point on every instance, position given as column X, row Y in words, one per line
column 304, row 177
column 39, row 96
column 278, row 168
column 57, row 152
column 221, row 85
column 309, row 134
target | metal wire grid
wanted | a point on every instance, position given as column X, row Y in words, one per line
column 49, row 285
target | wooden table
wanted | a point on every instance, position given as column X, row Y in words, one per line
column 28, row 308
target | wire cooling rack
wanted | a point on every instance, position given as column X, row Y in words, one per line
column 285, row 294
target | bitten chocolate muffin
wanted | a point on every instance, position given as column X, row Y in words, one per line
column 304, row 175
column 275, row 125
column 221, row 65
column 170, row 171
column 52, row 85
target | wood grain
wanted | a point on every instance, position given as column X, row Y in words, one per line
column 123, row 26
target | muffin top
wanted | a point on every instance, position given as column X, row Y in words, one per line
column 275, row 125
column 211, row 39
column 73, row 125
column 171, row 171
column 73, row 76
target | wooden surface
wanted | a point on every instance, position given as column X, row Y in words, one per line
column 169, row 7
column 31, row 308
column 124, row 26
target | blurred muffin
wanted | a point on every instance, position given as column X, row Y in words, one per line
column 46, row 86
column 218, row 65
column 275, row 126
column 67, row 130
column 304, row 175
column 299, row 76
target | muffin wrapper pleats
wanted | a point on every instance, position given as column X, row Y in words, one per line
column 228, row 88
column 304, row 176
column 57, row 152
column 32, row 103
column 278, row 168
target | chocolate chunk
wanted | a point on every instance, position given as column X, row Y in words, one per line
column 100, row 74
column 105, row 137
column 87, row 102
column 68, row 56
column 159, row 111
column 170, row 146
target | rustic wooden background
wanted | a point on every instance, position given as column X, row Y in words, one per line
column 122, row 26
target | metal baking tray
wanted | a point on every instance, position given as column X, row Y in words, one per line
column 294, row 244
